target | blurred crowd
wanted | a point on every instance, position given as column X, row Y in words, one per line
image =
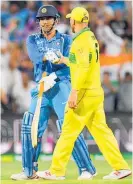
column 111, row 21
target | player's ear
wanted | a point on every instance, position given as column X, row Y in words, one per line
column 56, row 21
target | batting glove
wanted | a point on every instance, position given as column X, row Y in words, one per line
column 51, row 56
column 49, row 81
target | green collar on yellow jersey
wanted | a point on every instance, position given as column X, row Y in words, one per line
column 80, row 32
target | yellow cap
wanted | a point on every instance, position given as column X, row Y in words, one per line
column 79, row 14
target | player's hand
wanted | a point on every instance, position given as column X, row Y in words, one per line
column 47, row 85
column 72, row 100
column 51, row 56
column 62, row 59
column 49, row 81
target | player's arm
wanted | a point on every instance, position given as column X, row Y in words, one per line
column 80, row 60
column 64, row 71
column 37, row 58
column 66, row 49
column 33, row 51
column 67, row 45
column 64, row 60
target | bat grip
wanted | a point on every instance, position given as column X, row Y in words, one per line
column 41, row 89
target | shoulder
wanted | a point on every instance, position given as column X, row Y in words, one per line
column 31, row 39
column 92, row 35
column 65, row 37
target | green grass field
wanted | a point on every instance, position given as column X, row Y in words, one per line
column 71, row 176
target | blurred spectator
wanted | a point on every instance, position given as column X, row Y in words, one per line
column 125, row 91
column 119, row 25
column 63, row 26
column 5, row 54
column 5, row 14
column 15, row 14
column 93, row 15
column 24, row 58
column 12, row 30
column 10, row 74
column 115, row 5
column 114, row 45
column 102, row 9
column 30, row 10
column 109, row 93
column 21, row 93
column 129, row 13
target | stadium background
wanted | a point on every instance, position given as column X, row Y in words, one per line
column 111, row 22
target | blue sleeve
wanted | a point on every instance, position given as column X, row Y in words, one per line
column 65, row 52
column 64, row 72
column 35, row 56
column 67, row 45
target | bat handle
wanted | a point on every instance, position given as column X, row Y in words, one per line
column 41, row 89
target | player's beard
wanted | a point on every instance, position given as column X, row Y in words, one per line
column 73, row 28
column 46, row 29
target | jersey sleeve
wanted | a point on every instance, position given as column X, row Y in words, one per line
column 81, row 68
column 33, row 51
column 67, row 44
column 64, row 72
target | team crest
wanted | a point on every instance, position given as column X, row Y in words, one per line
column 44, row 10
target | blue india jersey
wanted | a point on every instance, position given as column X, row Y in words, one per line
column 38, row 46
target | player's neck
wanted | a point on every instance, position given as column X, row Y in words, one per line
column 50, row 35
column 79, row 28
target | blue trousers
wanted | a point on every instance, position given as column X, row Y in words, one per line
column 56, row 99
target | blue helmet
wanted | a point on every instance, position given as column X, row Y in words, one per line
column 47, row 11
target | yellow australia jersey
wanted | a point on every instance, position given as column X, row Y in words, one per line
column 84, row 62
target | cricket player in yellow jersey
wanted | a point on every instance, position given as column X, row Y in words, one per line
column 85, row 104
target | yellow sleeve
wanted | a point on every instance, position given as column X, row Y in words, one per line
column 81, row 68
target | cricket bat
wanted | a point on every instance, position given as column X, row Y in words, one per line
column 34, row 127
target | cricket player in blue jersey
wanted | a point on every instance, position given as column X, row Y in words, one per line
column 42, row 48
